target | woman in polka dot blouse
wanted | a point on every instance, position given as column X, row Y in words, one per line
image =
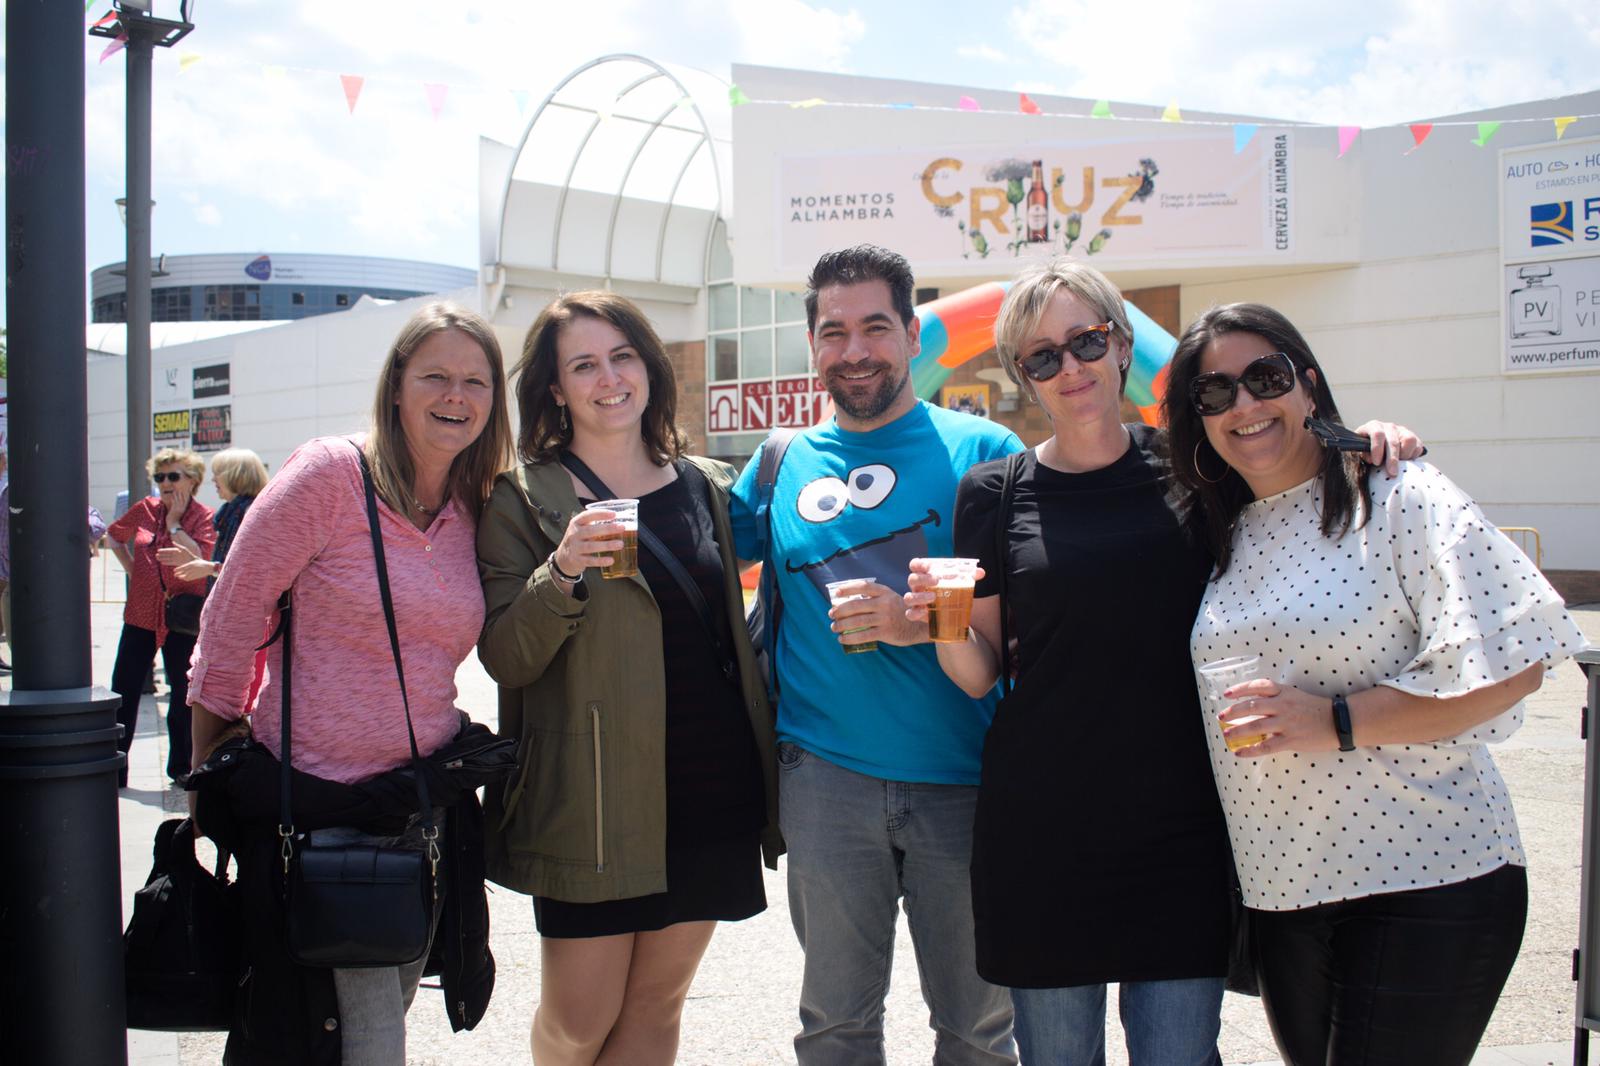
column 1397, row 632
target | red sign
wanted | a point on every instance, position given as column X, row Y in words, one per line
column 755, row 406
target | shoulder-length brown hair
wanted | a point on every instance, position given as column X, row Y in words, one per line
column 543, row 436
column 473, row 471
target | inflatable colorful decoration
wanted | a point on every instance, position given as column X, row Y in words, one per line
column 960, row 327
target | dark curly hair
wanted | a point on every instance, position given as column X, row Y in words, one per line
column 852, row 266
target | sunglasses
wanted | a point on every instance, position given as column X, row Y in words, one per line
column 1267, row 378
column 1086, row 346
column 173, row 476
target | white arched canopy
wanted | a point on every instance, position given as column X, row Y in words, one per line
column 620, row 174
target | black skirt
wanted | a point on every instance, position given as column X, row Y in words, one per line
column 707, row 881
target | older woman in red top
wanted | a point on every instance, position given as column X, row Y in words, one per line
column 174, row 517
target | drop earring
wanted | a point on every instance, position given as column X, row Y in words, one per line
column 565, row 426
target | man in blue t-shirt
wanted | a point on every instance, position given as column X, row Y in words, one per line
column 878, row 751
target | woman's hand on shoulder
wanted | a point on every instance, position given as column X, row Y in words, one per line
column 1290, row 718
column 1391, row 442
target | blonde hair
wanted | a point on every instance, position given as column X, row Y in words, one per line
column 240, row 471
column 193, row 465
column 473, row 472
column 1030, row 294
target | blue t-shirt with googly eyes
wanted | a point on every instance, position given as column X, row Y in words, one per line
column 850, row 505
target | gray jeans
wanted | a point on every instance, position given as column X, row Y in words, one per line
column 373, row 1000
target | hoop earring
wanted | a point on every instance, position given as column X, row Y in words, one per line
column 1200, row 473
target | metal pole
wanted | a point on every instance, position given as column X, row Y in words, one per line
column 61, row 989
column 140, row 47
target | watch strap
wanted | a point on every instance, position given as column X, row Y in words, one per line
column 1341, row 723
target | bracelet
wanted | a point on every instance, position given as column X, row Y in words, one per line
column 555, row 568
column 1341, row 723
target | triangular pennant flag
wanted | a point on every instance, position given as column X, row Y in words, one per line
column 1347, row 137
column 1243, row 132
column 902, row 107
column 736, row 96
column 1172, row 114
column 813, row 102
column 436, row 93
column 109, row 16
column 187, row 60
column 1562, row 123
column 967, row 103
column 1419, row 133
column 684, row 102
column 352, row 89
column 1486, row 130
column 114, row 47
column 520, row 96
column 1102, row 109
column 1027, row 106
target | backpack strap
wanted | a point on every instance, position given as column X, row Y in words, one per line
column 1002, row 543
column 768, row 607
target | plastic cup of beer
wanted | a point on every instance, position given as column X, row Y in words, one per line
column 951, row 610
column 625, row 562
column 837, row 594
column 1219, row 676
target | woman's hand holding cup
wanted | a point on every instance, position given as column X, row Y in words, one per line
column 590, row 540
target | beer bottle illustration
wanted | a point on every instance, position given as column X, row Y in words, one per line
column 1038, row 206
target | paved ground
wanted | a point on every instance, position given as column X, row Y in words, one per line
column 742, row 1006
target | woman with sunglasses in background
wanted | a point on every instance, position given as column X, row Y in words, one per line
column 1397, row 630
column 1099, row 852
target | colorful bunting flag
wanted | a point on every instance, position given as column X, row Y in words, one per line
column 1486, row 130
column 1347, row 137
column 1419, row 133
column 520, row 96
column 736, row 96
column 967, row 103
column 815, row 101
column 114, row 47
column 1243, row 132
column 352, row 89
column 187, row 60
column 685, row 102
column 1102, row 109
column 1027, row 106
column 436, row 93
column 1562, row 123
column 109, row 16
column 1172, row 114
column 902, row 107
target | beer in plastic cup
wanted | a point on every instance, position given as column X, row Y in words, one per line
column 951, row 610
column 1219, row 676
column 837, row 595
column 625, row 562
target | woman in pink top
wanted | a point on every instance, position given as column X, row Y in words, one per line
column 440, row 433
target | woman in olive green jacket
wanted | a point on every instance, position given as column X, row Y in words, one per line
column 647, row 789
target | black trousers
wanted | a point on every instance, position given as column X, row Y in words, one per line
column 1403, row 978
column 136, row 654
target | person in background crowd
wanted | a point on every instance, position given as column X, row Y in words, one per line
column 171, row 518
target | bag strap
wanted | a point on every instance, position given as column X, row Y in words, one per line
column 663, row 554
column 1002, row 543
column 767, row 594
column 430, row 831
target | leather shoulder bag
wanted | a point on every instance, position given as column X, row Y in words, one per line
column 357, row 905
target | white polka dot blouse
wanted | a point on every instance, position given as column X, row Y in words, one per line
column 1428, row 597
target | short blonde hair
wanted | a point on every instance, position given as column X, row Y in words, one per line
column 240, row 471
column 193, row 465
column 1030, row 294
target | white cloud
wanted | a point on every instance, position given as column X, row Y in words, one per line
column 985, row 52
column 208, row 215
column 1370, row 64
column 792, row 33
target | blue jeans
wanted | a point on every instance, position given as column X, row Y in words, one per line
column 1167, row 1023
column 858, row 845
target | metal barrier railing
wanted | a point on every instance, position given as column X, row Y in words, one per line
column 107, row 579
column 1521, row 535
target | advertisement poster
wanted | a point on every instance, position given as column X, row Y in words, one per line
column 1550, row 257
column 1133, row 200
column 212, row 428
column 211, row 381
column 968, row 399
column 171, row 428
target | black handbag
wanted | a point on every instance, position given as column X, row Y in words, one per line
column 180, row 953
column 183, row 610
column 357, row 905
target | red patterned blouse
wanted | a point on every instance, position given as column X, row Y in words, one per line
column 144, row 529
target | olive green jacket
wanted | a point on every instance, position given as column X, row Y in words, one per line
column 583, row 691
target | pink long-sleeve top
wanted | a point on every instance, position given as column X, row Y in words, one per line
column 307, row 532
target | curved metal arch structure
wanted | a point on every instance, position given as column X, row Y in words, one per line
column 704, row 139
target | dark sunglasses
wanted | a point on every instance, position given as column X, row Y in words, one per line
column 173, row 476
column 1267, row 378
column 1086, row 346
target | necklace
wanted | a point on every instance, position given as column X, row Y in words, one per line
column 418, row 504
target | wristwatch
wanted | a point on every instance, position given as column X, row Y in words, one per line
column 1341, row 723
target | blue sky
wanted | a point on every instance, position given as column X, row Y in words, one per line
column 255, row 150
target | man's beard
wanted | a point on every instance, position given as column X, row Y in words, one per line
column 865, row 407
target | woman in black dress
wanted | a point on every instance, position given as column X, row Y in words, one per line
column 647, row 789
